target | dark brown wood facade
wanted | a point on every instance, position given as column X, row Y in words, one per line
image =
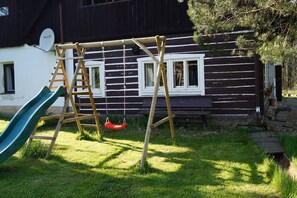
column 230, row 80
column 71, row 21
column 234, row 82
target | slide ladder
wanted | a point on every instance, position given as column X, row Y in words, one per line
column 80, row 86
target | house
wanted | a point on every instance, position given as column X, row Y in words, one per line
column 235, row 83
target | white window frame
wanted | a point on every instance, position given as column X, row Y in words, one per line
column 4, row 86
column 174, row 91
column 100, row 65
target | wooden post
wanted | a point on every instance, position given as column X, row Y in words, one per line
column 161, row 50
column 81, row 64
column 161, row 46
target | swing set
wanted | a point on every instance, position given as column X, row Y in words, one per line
column 108, row 124
column 80, row 85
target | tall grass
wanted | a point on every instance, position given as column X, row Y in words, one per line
column 289, row 143
column 280, row 179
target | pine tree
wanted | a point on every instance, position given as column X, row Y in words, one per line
column 273, row 22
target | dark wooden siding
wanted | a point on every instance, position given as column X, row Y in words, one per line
column 131, row 18
column 73, row 22
column 10, row 25
column 229, row 79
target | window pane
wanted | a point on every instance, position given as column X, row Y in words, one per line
column 161, row 81
column 149, row 74
column 88, row 75
column 4, row 11
column 9, row 77
column 95, row 78
column 178, row 69
column 193, row 73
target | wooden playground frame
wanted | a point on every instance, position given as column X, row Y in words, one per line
column 59, row 76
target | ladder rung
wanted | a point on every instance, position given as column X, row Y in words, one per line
column 80, row 86
column 83, row 104
column 81, row 93
column 59, row 80
column 83, row 114
column 56, row 116
column 82, row 80
column 42, row 137
column 70, row 58
column 59, row 67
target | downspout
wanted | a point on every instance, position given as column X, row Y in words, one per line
column 259, row 90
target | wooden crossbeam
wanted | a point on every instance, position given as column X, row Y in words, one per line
column 162, row 121
column 89, row 125
column 41, row 137
column 77, row 118
column 56, row 116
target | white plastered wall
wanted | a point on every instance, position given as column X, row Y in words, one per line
column 32, row 70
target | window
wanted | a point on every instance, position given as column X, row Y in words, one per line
column 98, row 2
column 8, row 74
column 4, row 11
column 95, row 70
column 185, row 74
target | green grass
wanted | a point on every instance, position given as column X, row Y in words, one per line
column 289, row 93
column 200, row 164
column 289, row 143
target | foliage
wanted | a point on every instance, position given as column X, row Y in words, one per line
column 289, row 143
column 36, row 149
column 280, row 179
column 273, row 24
column 88, row 136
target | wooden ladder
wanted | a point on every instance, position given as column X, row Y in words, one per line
column 80, row 85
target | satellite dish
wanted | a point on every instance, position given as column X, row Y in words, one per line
column 47, row 39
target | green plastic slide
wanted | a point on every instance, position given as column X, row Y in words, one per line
column 25, row 120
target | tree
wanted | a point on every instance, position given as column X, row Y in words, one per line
column 273, row 23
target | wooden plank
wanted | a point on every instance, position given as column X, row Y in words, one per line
column 78, row 118
column 237, row 90
column 80, row 93
column 181, row 102
column 234, row 59
column 231, row 82
column 50, row 117
column 230, row 75
column 70, row 58
column 89, row 125
column 235, row 104
column 42, row 137
column 83, row 104
column 162, row 121
column 232, row 68
column 143, row 40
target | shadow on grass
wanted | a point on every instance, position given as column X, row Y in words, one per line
column 205, row 167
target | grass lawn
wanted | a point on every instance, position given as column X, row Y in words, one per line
column 200, row 164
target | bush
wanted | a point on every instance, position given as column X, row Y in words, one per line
column 36, row 149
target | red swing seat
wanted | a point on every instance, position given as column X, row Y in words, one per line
column 115, row 127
